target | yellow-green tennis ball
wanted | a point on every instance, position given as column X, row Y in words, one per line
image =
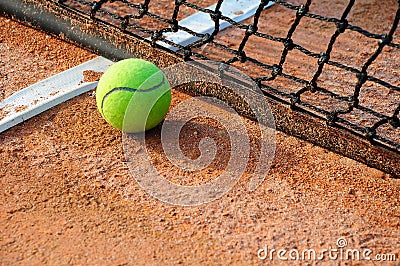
column 133, row 95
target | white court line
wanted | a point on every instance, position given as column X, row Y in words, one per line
column 61, row 87
column 49, row 92
column 237, row 10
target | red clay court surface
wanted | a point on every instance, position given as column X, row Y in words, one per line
column 63, row 188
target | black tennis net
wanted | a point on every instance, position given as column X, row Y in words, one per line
column 351, row 109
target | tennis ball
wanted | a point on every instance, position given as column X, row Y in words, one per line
column 133, row 95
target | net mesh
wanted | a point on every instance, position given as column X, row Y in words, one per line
column 342, row 70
